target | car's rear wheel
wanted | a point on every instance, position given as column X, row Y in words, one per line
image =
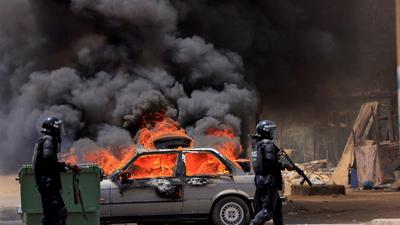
column 230, row 210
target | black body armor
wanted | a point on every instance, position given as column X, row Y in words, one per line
column 48, row 180
column 268, row 181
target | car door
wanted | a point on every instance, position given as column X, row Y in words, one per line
column 206, row 177
column 151, row 185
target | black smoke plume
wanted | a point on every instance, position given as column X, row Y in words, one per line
column 102, row 64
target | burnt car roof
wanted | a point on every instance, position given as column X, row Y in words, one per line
column 173, row 141
column 235, row 169
column 145, row 151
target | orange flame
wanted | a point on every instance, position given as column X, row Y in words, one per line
column 165, row 126
column 155, row 126
column 108, row 161
column 154, row 166
column 204, row 164
column 103, row 157
column 71, row 157
column 230, row 148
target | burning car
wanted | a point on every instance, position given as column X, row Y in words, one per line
column 172, row 184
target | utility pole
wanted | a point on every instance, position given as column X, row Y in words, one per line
column 397, row 2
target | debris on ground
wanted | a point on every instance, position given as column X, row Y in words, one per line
column 318, row 171
column 396, row 185
column 368, row 185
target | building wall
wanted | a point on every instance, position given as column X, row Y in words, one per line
column 397, row 2
column 364, row 32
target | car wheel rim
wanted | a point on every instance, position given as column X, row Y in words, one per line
column 231, row 213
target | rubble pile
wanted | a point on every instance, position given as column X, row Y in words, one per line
column 318, row 171
column 396, row 185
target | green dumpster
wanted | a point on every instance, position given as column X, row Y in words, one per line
column 89, row 185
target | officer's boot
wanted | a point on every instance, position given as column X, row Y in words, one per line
column 261, row 217
column 62, row 215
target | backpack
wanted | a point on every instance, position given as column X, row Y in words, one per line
column 257, row 156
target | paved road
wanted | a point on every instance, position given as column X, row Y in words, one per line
column 11, row 223
column 373, row 222
column 20, row 223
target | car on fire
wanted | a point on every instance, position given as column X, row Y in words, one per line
column 171, row 185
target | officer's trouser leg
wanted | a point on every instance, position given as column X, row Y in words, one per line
column 48, row 215
column 265, row 213
column 54, row 211
column 62, row 215
column 60, row 210
column 261, row 217
column 277, row 211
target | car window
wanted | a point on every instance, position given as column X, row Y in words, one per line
column 154, row 166
column 203, row 164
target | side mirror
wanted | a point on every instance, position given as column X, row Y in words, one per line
column 123, row 177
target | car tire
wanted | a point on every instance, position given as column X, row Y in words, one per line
column 230, row 210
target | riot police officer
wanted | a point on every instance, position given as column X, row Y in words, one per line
column 268, row 177
column 47, row 172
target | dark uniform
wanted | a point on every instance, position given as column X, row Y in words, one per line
column 47, row 175
column 268, row 177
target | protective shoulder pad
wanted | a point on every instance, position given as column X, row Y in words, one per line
column 265, row 143
column 269, row 150
column 45, row 138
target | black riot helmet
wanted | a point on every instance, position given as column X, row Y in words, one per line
column 266, row 129
column 52, row 126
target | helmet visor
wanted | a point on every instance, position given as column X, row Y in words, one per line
column 273, row 133
column 60, row 125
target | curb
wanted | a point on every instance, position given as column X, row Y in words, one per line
column 372, row 222
column 384, row 222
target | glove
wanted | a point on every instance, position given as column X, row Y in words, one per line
column 288, row 166
column 259, row 181
column 263, row 182
column 74, row 168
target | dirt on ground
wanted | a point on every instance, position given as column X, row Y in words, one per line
column 9, row 197
column 354, row 207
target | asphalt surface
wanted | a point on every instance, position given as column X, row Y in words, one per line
column 356, row 207
column 372, row 222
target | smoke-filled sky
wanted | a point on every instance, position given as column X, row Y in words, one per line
column 303, row 50
column 102, row 64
